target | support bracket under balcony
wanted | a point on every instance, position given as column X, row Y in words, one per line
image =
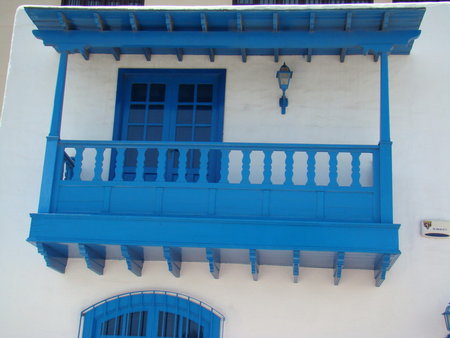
column 254, row 263
column 173, row 258
column 213, row 257
column 296, row 265
column 94, row 256
column 381, row 267
column 55, row 255
column 338, row 266
column 134, row 256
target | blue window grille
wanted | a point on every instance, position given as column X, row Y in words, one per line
column 152, row 314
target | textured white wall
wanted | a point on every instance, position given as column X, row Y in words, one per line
column 329, row 102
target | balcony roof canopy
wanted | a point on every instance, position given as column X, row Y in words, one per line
column 243, row 30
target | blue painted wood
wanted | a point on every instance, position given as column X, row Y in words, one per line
column 381, row 268
column 148, row 54
column 58, row 102
column 134, row 256
column 224, row 165
column 169, row 22
column 64, row 22
column 356, row 169
column 140, row 165
column 311, row 168
column 182, row 166
column 384, row 99
column 99, row 22
column 296, row 265
column 385, row 144
column 254, row 263
column 289, row 168
column 78, row 163
column 118, row 172
column 135, row 26
column 377, row 41
column 267, row 173
column 203, row 171
column 98, row 169
column 338, row 266
column 94, row 256
column 213, row 257
column 333, row 174
column 180, row 54
column 85, row 52
column 116, row 53
column 55, row 255
column 245, row 167
column 51, row 152
column 173, row 258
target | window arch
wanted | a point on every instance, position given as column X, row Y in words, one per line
column 151, row 314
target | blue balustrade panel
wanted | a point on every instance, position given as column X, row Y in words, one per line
column 282, row 181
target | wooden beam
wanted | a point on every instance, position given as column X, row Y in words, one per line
column 312, row 22
column 173, row 258
column 64, row 21
column 84, row 51
column 276, row 22
column 381, row 268
column 148, row 53
column 385, row 22
column 378, row 40
column 204, row 22
column 116, row 53
column 296, row 265
column 94, row 256
column 376, row 56
column 239, row 22
column 99, row 22
column 254, row 263
column 213, row 257
column 134, row 256
column 348, row 22
column 244, row 54
column 343, row 54
column 338, row 266
column 55, row 255
column 134, row 23
column 180, row 54
column 169, row 22
column 348, row 26
column 212, row 54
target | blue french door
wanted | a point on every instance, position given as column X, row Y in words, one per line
column 174, row 106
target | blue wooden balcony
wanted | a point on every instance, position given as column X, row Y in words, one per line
column 322, row 201
column 298, row 205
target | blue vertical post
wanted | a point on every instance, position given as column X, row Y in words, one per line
column 385, row 145
column 51, row 150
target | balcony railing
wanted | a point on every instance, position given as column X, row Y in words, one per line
column 316, row 182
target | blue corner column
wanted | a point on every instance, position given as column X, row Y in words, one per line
column 51, row 150
column 385, row 145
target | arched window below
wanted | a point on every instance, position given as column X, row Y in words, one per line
column 152, row 314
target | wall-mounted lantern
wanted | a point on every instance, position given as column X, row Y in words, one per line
column 284, row 75
column 447, row 318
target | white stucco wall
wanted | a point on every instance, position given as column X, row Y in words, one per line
column 329, row 102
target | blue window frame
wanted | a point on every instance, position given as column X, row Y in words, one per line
column 151, row 314
column 171, row 105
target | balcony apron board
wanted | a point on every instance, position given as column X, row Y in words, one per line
column 231, row 209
